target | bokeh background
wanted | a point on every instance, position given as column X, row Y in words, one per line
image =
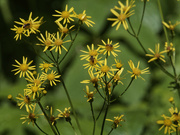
column 142, row 104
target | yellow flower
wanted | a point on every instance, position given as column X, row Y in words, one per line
column 45, row 66
column 91, row 52
column 144, row 0
column 34, row 80
column 170, row 26
column 105, row 70
column 167, row 123
column 9, row 97
column 35, row 90
column 58, row 43
column 31, row 25
column 66, row 15
column 94, row 80
column 52, row 117
column 51, row 77
column 93, row 63
column 136, row 72
column 109, row 48
column 169, row 47
column 24, row 68
column 175, row 114
column 117, row 77
column 156, row 55
column 116, row 121
column 47, row 42
column 25, row 100
column 19, row 31
column 64, row 29
column 118, row 64
column 89, row 95
column 121, row 17
column 65, row 114
column 31, row 117
column 171, row 100
column 84, row 18
column 125, row 7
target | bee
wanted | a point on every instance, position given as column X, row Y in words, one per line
column 109, row 45
column 26, row 26
column 27, row 97
column 92, row 59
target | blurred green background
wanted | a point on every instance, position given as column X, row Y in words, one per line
column 142, row 104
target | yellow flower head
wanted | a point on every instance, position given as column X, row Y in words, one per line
column 65, row 15
column 47, row 42
column 89, row 95
column 65, row 114
column 90, row 53
column 19, row 31
column 127, row 6
column 171, row 26
column 24, row 100
column 31, row 117
column 52, row 117
column 121, row 17
column 169, row 47
column 136, row 72
column 167, row 123
column 51, row 77
column 118, row 64
column 45, row 66
column 94, row 79
column 175, row 114
column 157, row 55
column 84, row 18
column 24, row 68
column 58, row 43
column 116, row 121
column 109, row 48
column 117, row 77
column 64, row 29
column 30, row 25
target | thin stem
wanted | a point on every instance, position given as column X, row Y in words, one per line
column 136, row 36
column 172, row 63
column 162, row 18
column 56, row 129
column 40, row 128
column 101, row 111
column 99, row 93
column 69, row 99
column 110, row 131
column 144, row 7
column 47, row 118
column 102, row 128
column 124, row 90
column 72, row 127
column 72, row 41
column 94, row 120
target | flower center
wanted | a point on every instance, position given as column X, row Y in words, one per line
column 118, row 65
column 82, row 17
column 109, row 47
column 94, row 80
column 122, row 17
column 65, row 14
column 37, row 81
column 27, row 99
column 92, row 52
column 50, row 77
column 104, row 69
column 47, row 42
column 45, row 65
column 90, row 95
column 58, row 42
column 23, row 67
column 157, row 55
column 19, row 30
column 34, row 88
column 167, row 122
column 32, row 116
column 65, row 30
column 171, row 27
column 136, row 71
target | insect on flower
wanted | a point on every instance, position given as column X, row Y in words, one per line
column 92, row 59
column 26, row 26
column 27, row 97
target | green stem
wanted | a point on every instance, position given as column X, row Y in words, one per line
column 56, row 129
column 106, row 111
column 110, row 131
column 69, row 99
column 144, row 7
column 72, row 41
column 72, row 127
column 172, row 63
column 40, row 128
column 47, row 118
column 101, row 111
column 94, row 120
column 136, row 36
column 162, row 18
column 99, row 93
